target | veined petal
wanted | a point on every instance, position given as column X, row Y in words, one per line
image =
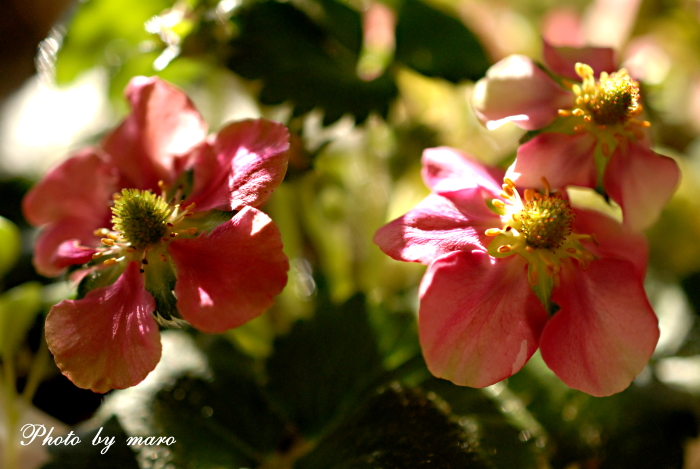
column 58, row 196
column 431, row 229
column 479, row 321
column 231, row 275
column 565, row 160
column 641, row 181
column 246, row 161
column 48, row 258
column 162, row 125
column 109, row 339
column 517, row 90
column 605, row 332
column 446, row 169
column 562, row 60
column 615, row 241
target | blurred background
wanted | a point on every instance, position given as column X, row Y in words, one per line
column 332, row 376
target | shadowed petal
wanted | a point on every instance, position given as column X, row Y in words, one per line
column 565, row 160
column 605, row 332
column 517, row 90
column 479, row 321
column 246, row 161
column 641, row 181
column 162, row 125
column 231, row 275
column 431, row 229
column 58, row 195
column 561, row 60
column 48, row 258
column 446, row 169
column 109, row 339
column 615, row 241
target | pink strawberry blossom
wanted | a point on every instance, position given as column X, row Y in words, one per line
column 489, row 299
column 588, row 128
column 210, row 258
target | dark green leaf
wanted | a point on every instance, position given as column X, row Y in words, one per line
column 86, row 455
column 438, row 45
column 505, row 444
column 321, row 367
column 396, row 428
column 304, row 63
column 222, row 422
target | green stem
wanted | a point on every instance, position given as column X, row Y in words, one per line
column 36, row 372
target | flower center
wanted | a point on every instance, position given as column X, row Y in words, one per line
column 545, row 221
column 539, row 228
column 612, row 100
column 141, row 217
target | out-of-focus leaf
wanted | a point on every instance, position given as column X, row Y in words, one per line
column 18, row 308
column 321, row 366
column 438, row 45
column 506, row 439
column 85, row 455
column 105, row 33
column 10, row 243
column 396, row 428
column 222, row 422
column 306, row 64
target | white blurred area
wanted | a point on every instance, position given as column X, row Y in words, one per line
column 42, row 123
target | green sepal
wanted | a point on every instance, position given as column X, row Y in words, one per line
column 98, row 278
column 159, row 281
column 543, row 287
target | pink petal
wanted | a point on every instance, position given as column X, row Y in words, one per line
column 561, row 60
column 58, row 195
column 163, row 125
column 565, row 160
column 431, row 229
column 605, row 332
column 446, row 169
column 479, row 321
column 517, row 90
column 616, row 241
column 109, row 339
column 231, row 275
column 641, row 181
column 71, row 252
column 246, row 161
column 49, row 259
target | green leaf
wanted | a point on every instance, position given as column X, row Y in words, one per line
column 502, row 427
column 310, row 65
column 396, row 428
column 225, row 421
column 438, row 45
column 101, row 34
column 18, row 309
column 10, row 244
column 85, row 455
column 322, row 366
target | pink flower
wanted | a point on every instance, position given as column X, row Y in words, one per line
column 589, row 130
column 507, row 275
column 162, row 220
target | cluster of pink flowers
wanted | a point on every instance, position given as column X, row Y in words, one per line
column 161, row 222
column 512, row 265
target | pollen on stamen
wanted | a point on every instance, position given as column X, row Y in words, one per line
column 505, row 248
column 492, row 232
column 111, row 261
column 107, row 241
column 498, row 203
